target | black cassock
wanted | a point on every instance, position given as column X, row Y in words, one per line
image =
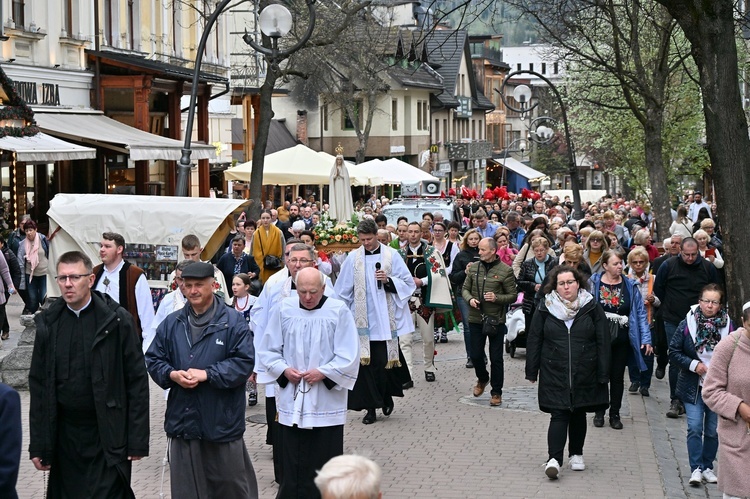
column 79, row 468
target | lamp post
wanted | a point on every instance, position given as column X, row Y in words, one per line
column 505, row 156
column 522, row 94
column 275, row 22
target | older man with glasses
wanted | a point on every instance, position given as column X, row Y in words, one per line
column 678, row 285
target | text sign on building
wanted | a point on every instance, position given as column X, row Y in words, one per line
column 464, row 107
column 45, row 94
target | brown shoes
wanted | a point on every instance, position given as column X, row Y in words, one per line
column 496, row 400
column 479, row 387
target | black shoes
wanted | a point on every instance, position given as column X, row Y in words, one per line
column 676, row 409
column 429, row 376
column 644, row 391
column 599, row 419
column 615, row 423
column 633, row 387
column 407, row 385
column 388, row 410
column 469, row 364
column 370, row 417
column 5, row 336
column 660, row 372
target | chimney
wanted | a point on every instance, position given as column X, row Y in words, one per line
column 302, row 126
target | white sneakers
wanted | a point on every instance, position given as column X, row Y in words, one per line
column 576, row 463
column 552, row 469
column 696, row 477
column 709, row 476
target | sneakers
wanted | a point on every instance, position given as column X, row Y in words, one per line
column 576, row 463
column 633, row 387
column 709, row 476
column 696, row 477
column 496, row 400
column 479, row 387
column 676, row 409
column 436, row 335
column 552, row 469
column 443, row 336
column 252, row 393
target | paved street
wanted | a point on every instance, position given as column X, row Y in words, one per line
column 440, row 442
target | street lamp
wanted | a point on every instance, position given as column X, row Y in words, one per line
column 522, row 94
column 275, row 22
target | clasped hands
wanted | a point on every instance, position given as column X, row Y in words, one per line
column 190, row 378
column 311, row 377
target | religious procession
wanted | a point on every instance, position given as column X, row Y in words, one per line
column 321, row 311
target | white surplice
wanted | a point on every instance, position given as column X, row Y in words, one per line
column 270, row 298
column 377, row 307
column 323, row 339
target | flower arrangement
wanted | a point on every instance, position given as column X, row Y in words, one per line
column 328, row 232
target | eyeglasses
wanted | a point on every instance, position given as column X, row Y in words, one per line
column 566, row 283
column 712, row 302
column 301, row 261
column 74, row 278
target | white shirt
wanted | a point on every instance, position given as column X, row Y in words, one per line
column 324, row 339
column 171, row 302
column 143, row 301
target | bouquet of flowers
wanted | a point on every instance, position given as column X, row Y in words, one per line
column 327, row 232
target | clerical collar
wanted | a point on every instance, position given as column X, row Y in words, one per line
column 316, row 307
column 376, row 251
column 78, row 312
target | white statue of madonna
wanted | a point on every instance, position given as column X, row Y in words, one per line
column 340, row 202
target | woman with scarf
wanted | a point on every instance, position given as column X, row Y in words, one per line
column 593, row 249
column 469, row 254
column 691, row 348
column 637, row 271
column 623, row 304
column 568, row 351
column 268, row 242
column 33, row 254
column 726, row 391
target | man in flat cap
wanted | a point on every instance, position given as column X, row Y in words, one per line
column 204, row 354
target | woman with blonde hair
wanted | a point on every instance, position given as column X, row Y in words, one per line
column 638, row 271
column 710, row 254
column 682, row 224
column 572, row 256
column 594, row 247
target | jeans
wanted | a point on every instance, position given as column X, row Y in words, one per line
column 37, row 291
column 464, row 308
column 478, row 341
column 702, row 438
column 643, row 378
column 566, row 425
column 674, row 371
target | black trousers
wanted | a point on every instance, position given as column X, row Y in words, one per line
column 273, row 437
column 620, row 351
column 496, row 374
column 565, row 425
column 305, row 451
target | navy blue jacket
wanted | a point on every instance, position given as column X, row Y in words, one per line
column 215, row 409
column 10, row 443
column 682, row 353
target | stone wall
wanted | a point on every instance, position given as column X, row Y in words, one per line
column 14, row 367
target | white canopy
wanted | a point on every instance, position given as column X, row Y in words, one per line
column 300, row 165
column 77, row 221
column 97, row 129
column 43, row 148
column 395, row 171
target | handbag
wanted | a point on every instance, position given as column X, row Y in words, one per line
column 490, row 324
column 270, row 262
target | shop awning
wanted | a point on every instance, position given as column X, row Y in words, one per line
column 99, row 130
column 516, row 166
column 41, row 148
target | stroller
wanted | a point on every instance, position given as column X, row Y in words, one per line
column 516, row 322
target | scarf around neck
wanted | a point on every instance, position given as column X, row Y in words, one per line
column 360, row 309
column 32, row 253
column 564, row 309
column 708, row 333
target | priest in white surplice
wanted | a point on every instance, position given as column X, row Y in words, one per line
column 310, row 346
column 376, row 285
column 340, row 205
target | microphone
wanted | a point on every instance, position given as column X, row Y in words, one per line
column 380, row 283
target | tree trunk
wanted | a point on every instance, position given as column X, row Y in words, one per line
column 657, row 175
column 710, row 28
column 263, row 124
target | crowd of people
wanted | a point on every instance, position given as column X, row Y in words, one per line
column 326, row 334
